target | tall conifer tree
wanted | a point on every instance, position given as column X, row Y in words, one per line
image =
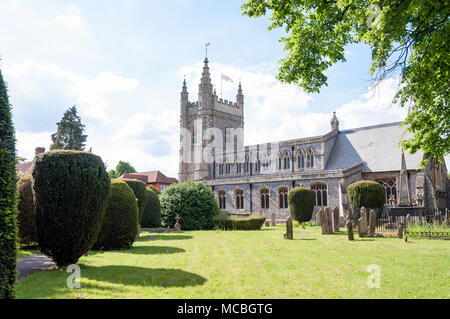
column 69, row 135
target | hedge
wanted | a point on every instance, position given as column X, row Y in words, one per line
column 25, row 217
column 139, row 190
column 8, row 197
column 192, row 201
column 152, row 211
column 120, row 224
column 367, row 194
column 71, row 190
column 224, row 222
column 301, row 204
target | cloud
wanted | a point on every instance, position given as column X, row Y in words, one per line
column 71, row 19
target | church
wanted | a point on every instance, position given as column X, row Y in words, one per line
column 255, row 179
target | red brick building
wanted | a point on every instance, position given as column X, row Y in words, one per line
column 155, row 178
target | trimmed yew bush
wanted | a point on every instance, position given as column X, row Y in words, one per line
column 71, row 190
column 301, row 203
column 192, row 201
column 25, row 216
column 152, row 211
column 120, row 224
column 140, row 192
column 366, row 194
column 254, row 222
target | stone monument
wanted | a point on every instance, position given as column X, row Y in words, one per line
column 350, row 230
column 177, row 227
column 336, row 220
column 372, row 222
column 289, row 229
column 362, row 223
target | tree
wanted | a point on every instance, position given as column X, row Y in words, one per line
column 121, row 168
column 8, row 198
column 407, row 37
column 69, row 135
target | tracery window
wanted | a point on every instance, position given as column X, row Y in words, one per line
column 320, row 191
column 390, row 187
column 264, row 198
column 246, row 165
column 220, row 169
column 228, row 168
column 310, row 158
column 222, row 196
column 238, row 168
column 301, row 159
column 239, row 197
column 283, row 197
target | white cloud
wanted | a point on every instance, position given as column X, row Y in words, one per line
column 26, row 142
column 71, row 19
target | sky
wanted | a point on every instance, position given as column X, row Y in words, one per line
column 122, row 63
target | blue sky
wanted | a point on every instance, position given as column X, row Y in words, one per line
column 122, row 63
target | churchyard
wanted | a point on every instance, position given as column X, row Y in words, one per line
column 254, row 264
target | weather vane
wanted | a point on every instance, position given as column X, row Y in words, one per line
column 207, row 44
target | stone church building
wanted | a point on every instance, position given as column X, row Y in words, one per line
column 255, row 179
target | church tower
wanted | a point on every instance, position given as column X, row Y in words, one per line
column 197, row 117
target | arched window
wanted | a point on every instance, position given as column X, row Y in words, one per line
column 264, row 198
column 227, row 168
column 390, row 187
column 227, row 136
column 246, row 165
column 238, row 168
column 320, row 191
column 300, row 159
column 239, row 197
column 310, row 158
column 265, row 163
column 258, row 166
column 222, row 196
column 284, row 161
column 220, row 169
column 283, row 197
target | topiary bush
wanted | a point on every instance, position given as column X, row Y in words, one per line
column 224, row 222
column 153, row 188
column 301, row 204
column 366, row 194
column 70, row 194
column 25, row 216
column 120, row 224
column 8, row 198
column 139, row 190
column 152, row 211
column 192, row 201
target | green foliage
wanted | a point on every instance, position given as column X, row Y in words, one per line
column 69, row 135
column 224, row 222
column 152, row 211
column 366, row 194
column 409, row 38
column 301, row 203
column 71, row 190
column 154, row 189
column 120, row 224
column 139, row 190
column 8, row 197
column 192, row 201
column 121, row 168
column 25, row 217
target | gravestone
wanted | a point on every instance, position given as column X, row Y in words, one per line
column 372, row 222
column 350, row 230
column 273, row 219
column 362, row 223
column 289, row 229
column 323, row 218
column 329, row 215
column 400, row 231
column 408, row 220
column 336, row 220
column 177, row 227
column 267, row 223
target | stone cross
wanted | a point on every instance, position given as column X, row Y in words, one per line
column 273, row 219
column 336, row 220
column 177, row 226
column 372, row 222
column 350, row 230
column 289, row 229
column 362, row 223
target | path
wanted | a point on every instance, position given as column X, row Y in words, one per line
column 33, row 264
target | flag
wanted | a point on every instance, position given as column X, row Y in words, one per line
column 226, row 78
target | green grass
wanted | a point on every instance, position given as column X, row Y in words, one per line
column 21, row 253
column 254, row 264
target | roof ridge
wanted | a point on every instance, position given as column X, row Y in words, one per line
column 370, row 127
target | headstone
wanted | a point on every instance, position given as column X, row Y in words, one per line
column 289, row 229
column 329, row 215
column 267, row 223
column 362, row 223
column 336, row 220
column 408, row 220
column 350, row 230
column 177, row 227
column 372, row 222
column 322, row 220
column 273, row 219
column 400, row 231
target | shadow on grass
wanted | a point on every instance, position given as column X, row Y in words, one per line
column 164, row 237
column 305, row 239
column 364, row 239
column 154, row 250
column 130, row 275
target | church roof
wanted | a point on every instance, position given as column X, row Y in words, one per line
column 377, row 147
column 151, row 177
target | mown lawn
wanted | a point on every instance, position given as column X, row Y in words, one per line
column 254, row 264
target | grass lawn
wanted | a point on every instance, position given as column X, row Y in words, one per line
column 21, row 253
column 254, row 264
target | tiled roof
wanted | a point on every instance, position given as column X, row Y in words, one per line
column 151, row 177
column 25, row 167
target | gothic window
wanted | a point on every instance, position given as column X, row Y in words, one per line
column 310, row 158
column 220, row 169
column 193, row 136
column 239, row 197
column 238, row 168
column 228, row 168
column 320, row 191
column 300, row 159
column 258, row 166
column 264, row 198
column 222, row 195
column 246, row 165
column 227, row 137
column 283, row 197
column 390, row 187
column 265, row 163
